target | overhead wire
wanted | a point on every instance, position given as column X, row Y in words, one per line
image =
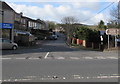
column 99, row 12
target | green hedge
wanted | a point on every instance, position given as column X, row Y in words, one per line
column 84, row 33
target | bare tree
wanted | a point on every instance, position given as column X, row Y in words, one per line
column 115, row 16
column 69, row 25
column 114, row 13
column 69, row 20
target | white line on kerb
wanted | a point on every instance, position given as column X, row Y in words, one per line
column 46, row 55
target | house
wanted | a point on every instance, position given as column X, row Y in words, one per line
column 7, row 21
column 11, row 22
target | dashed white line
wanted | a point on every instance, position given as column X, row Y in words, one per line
column 34, row 58
column 5, row 58
column 20, row 58
column 88, row 57
column 60, row 57
column 74, row 58
column 100, row 57
column 112, row 57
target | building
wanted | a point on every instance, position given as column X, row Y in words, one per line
column 10, row 22
column 7, row 21
column 23, row 23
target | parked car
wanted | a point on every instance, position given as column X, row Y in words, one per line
column 8, row 44
column 52, row 37
column 23, row 38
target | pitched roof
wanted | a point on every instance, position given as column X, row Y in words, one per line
column 5, row 6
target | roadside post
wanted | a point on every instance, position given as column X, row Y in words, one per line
column 101, row 38
column 115, row 41
column 108, row 41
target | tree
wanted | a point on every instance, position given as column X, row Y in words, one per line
column 85, row 33
column 51, row 25
column 68, row 22
column 115, row 16
column 102, row 25
column 114, row 13
column 68, row 25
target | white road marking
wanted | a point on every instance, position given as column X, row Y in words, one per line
column 76, row 58
column 34, row 58
column 88, row 57
column 60, row 57
column 46, row 55
column 5, row 58
column 51, row 77
column 20, row 58
column 112, row 57
column 100, row 57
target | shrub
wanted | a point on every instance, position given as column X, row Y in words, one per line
column 84, row 33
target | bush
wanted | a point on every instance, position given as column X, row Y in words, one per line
column 84, row 33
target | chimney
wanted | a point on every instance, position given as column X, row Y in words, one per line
column 21, row 13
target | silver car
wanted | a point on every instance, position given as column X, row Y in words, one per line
column 7, row 44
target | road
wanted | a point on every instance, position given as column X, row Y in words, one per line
column 54, row 61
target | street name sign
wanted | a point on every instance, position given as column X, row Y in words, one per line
column 6, row 25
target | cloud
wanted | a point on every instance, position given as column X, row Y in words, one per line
column 56, row 13
column 60, row 0
column 87, row 5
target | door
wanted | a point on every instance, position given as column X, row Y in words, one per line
column 6, row 44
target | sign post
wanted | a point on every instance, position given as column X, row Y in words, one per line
column 107, row 32
column 108, row 42
column 115, row 41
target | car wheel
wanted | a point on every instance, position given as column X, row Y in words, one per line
column 14, row 47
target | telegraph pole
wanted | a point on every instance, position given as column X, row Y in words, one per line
column 118, row 13
column 118, row 22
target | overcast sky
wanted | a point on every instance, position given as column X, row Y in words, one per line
column 85, row 12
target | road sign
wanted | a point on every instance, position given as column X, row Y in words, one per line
column 113, row 31
column 102, row 32
column 6, row 25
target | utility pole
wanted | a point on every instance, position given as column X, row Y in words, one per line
column 118, row 13
column 118, row 22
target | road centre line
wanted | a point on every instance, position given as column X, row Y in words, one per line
column 46, row 55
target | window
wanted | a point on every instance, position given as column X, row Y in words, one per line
column 5, row 40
